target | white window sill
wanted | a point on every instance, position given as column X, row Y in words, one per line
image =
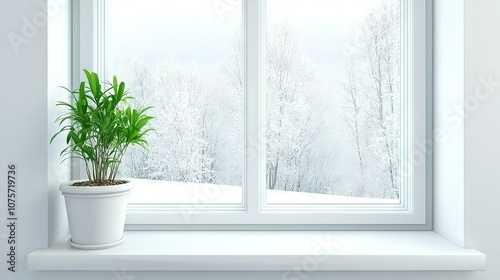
column 266, row 251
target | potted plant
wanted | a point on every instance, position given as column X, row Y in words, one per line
column 99, row 126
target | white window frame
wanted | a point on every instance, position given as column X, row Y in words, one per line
column 414, row 212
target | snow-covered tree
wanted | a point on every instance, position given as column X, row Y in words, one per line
column 379, row 66
column 291, row 85
column 340, row 139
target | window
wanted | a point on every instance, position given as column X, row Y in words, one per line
column 188, row 64
column 272, row 111
column 333, row 101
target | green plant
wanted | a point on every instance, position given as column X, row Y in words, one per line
column 100, row 126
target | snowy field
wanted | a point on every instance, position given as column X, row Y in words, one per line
column 151, row 191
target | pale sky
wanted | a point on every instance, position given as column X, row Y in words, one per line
column 325, row 26
column 199, row 31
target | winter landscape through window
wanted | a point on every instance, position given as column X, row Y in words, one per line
column 332, row 98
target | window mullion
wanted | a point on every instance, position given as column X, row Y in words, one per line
column 254, row 118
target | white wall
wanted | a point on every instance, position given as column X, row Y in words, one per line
column 26, row 75
column 58, row 74
column 23, row 129
column 482, row 131
column 448, row 121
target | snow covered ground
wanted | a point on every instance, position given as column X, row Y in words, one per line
column 151, row 191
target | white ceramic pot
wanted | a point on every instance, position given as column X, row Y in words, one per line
column 96, row 215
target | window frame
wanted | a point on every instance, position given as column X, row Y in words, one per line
column 413, row 213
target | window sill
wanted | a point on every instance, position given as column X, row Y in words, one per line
column 266, row 251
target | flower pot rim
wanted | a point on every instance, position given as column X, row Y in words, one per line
column 67, row 187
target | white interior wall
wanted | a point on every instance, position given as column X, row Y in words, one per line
column 482, row 131
column 23, row 129
column 448, row 122
column 59, row 74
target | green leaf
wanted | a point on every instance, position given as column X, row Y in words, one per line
column 89, row 152
column 142, row 122
column 100, row 124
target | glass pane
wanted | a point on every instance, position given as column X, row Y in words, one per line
column 185, row 59
column 333, row 101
